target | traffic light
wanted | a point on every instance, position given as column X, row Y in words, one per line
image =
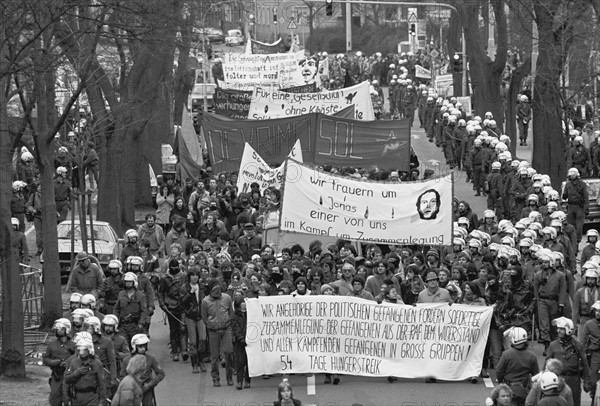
column 329, row 7
column 275, row 15
column 252, row 18
column 413, row 30
column 457, row 64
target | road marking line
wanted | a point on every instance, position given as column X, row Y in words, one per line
column 310, row 385
column 488, row 383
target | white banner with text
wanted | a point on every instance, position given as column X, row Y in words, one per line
column 254, row 169
column 405, row 213
column 353, row 336
column 268, row 103
column 282, row 70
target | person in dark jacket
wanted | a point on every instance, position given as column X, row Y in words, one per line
column 517, row 365
column 576, row 195
column 57, row 353
column 238, row 327
column 570, row 351
column 169, row 300
column 192, row 294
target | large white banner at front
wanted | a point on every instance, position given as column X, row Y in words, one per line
column 319, row 203
column 281, row 70
column 353, row 336
column 268, row 103
column 254, row 169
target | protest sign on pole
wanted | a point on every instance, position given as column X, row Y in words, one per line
column 262, row 48
column 232, row 103
column 466, row 104
column 253, row 169
column 268, row 103
column 421, row 72
column 406, row 213
column 282, row 70
column 353, row 336
column 443, row 85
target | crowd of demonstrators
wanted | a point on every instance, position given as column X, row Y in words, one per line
column 201, row 255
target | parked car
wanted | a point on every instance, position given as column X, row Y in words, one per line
column 107, row 244
column 234, row 37
column 169, row 160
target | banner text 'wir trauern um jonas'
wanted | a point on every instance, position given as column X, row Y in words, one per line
column 399, row 213
column 347, row 335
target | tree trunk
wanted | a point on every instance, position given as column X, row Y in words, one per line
column 548, row 136
column 44, row 90
column 184, row 76
column 486, row 75
column 510, row 111
column 12, row 358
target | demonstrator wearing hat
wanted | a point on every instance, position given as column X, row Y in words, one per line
column 86, row 277
column 434, row 293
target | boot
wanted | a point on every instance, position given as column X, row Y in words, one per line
column 194, row 361
column 200, row 357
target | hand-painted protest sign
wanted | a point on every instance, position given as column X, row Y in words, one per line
column 232, row 103
column 443, row 85
column 466, row 104
column 281, row 70
column 267, row 103
column 326, row 140
column 254, row 169
column 317, row 202
column 421, row 72
column 347, row 335
column 307, row 88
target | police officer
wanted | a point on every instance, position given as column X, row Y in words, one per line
column 550, row 289
column 19, row 242
column 169, row 299
column 576, row 196
column 131, row 308
column 77, row 318
column 88, row 301
column 110, row 324
column 112, row 285
column 104, row 351
column 135, row 264
column 585, row 297
column 590, row 338
column 570, row 352
column 131, row 248
column 74, row 303
column 57, row 353
column 517, row 365
column 85, row 376
column 154, row 373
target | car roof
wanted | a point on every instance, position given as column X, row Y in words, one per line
column 96, row 222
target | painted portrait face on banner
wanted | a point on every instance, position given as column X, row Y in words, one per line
column 309, row 67
column 428, row 204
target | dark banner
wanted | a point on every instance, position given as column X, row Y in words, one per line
column 384, row 144
column 260, row 48
column 232, row 103
column 309, row 88
column 326, row 140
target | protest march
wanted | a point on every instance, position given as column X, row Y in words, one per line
column 300, row 233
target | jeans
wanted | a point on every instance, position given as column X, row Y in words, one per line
column 220, row 340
